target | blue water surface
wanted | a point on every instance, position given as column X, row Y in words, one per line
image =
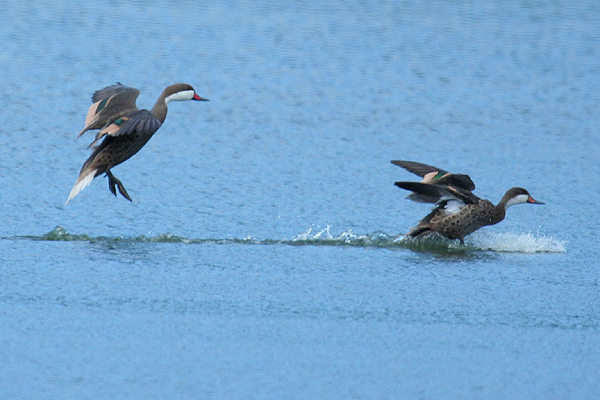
column 262, row 255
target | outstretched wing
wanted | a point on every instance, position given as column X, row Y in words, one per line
column 110, row 91
column 418, row 168
column 434, row 193
column 436, row 176
column 110, row 104
column 138, row 122
column 423, row 192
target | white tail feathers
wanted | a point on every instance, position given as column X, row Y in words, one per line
column 82, row 182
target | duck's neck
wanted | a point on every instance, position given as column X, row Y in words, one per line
column 160, row 109
column 502, row 205
column 500, row 212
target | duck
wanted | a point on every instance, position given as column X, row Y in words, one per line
column 124, row 130
column 457, row 211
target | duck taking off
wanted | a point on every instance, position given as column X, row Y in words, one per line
column 457, row 212
column 124, row 128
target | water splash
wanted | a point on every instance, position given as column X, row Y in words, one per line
column 498, row 242
column 347, row 238
column 518, row 243
column 60, row 234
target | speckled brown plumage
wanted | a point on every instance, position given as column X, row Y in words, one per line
column 457, row 212
column 457, row 226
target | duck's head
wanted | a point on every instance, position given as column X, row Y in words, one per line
column 518, row 195
column 181, row 91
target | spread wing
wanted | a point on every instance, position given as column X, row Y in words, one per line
column 435, row 176
column 434, row 193
column 110, row 104
column 110, row 91
column 139, row 122
column 418, row 168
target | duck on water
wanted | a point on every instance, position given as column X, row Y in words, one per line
column 457, row 212
column 124, row 128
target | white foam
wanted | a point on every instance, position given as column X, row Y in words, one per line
column 517, row 243
column 324, row 233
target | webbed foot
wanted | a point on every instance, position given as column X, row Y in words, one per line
column 112, row 182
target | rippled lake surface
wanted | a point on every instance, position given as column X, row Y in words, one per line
column 262, row 256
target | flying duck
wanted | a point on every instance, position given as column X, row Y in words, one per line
column 123, row 128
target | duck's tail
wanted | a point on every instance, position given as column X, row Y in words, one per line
column 419, row 230
column 85, row 178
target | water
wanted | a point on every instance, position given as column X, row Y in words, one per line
column 263, row 256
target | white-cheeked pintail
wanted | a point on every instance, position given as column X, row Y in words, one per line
column 124, row 128
column 457, row 212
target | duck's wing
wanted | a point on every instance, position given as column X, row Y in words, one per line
column 139, row 122
column 109, row 104
column 460, row 181
column 434, row 193
column 443, row 208
column 423, row 192
column 419, row 168
column 110, row 91
column 438, row 176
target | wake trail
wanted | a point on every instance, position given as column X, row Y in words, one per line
column 319, row 236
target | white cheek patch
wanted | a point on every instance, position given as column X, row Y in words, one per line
column 520, row 199
column 183, row 95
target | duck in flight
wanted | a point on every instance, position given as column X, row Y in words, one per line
column 457, row 212
column 123, row 128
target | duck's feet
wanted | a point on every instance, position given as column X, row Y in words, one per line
column 112, row 182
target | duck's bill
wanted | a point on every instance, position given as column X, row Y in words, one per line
column 534, row 201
